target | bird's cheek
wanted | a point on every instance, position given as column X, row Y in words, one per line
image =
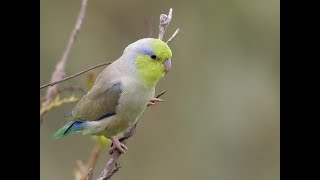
column 167, row 65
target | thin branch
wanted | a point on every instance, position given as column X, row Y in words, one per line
column 164, row 22
column 162, row 93
column 112, row 165
column 173, row 36
column 75, row 75
column 56, row 103
column 60, row 68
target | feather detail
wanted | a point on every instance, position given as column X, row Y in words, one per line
column 69, row 128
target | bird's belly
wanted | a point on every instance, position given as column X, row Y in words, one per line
column 133, row 107
column 123, row 120
column 134, row 101
column 114, row 127
column 132, row 110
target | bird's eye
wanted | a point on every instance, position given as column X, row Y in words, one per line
column 153, row 57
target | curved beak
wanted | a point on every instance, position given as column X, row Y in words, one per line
column 167, row 65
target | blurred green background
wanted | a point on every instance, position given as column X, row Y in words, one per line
column 221, row 115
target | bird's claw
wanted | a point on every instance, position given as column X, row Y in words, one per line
column 116, row 144
column 153, row 101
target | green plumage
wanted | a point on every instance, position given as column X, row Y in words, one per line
column 61, row 132
column 68, row 129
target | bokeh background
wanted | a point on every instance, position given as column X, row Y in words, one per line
column 221, row 115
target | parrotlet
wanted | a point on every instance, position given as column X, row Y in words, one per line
column 121, row 93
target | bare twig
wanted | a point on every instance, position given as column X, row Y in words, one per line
column 60, row 68
column 56, row 103
column 112, row 165
column 173, row 36
column 75, row 75
column 164, row 22
column 162, row 93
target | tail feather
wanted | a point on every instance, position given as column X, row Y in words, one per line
column 69, row 128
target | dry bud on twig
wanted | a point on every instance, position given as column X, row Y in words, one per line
column 164, row 22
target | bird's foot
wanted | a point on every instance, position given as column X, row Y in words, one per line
column 153, row 101
column 116, row 144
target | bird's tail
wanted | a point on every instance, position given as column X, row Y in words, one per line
column 69, row 128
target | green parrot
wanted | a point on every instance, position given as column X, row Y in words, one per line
column 121, row 93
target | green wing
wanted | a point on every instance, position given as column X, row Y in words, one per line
column 98, row 103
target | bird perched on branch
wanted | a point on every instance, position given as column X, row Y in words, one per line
column 121, row 93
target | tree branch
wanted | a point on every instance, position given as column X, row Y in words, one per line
column 173, row 36
column 112, row 165
column 60, row 68
column 75, row 75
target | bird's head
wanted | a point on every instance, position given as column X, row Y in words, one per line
column 151, row 59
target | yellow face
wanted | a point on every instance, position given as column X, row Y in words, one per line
column 153, row 61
